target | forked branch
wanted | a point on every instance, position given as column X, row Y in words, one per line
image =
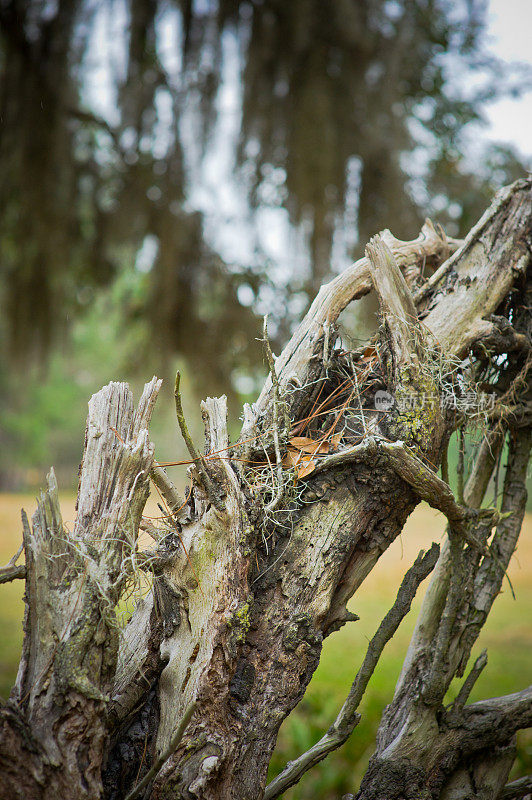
column 199, row 461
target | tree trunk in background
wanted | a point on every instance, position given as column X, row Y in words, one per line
column 254, row 567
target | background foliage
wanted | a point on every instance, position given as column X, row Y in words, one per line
column 170, row 171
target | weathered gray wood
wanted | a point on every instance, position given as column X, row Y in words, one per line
column 478, row 276
column 74, row 580
column 414, row 740
column 431, row 247
column 397, row 305
column 256, row 567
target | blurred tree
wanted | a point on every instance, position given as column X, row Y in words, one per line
column 349, row 116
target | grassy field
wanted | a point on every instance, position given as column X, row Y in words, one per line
column 507, row 635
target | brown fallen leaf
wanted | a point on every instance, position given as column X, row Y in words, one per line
column 307, row 466
column 301, row 441
column 307, row 445
column 291, row 458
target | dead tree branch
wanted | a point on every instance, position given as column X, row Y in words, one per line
column 12, row 571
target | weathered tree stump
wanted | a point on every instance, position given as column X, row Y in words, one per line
column 254, row 567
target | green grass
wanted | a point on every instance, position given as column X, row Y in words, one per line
column 507, row 635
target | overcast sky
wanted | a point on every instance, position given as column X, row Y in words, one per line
column 510, row 38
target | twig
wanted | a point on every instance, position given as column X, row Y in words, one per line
column 154, row 562
column 273, row 504
column 348, row 716
column 355, row 380
column 165, row 755
column 93, row 119
column 465, row 690
column 182, row 421
column 326, row 335
column 445, row 465
column 198, row 459
column 11, row 571
column 151, row 530
column 422, row 566
column 496, row 481
column 166, row 487
column 460, row 466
